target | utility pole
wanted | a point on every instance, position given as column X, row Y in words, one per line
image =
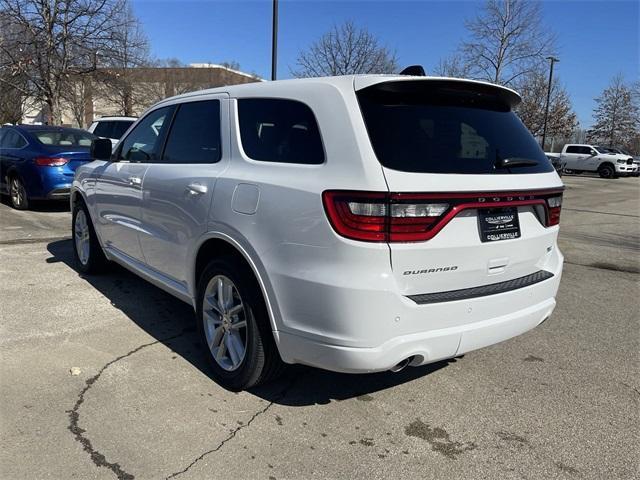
column 546, row 109
column 274, row 41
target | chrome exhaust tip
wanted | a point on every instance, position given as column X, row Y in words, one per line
column 401, row 365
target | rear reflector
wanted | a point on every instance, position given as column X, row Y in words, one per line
column 51, row 161
column 417, row 217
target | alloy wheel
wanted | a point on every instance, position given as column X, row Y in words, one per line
column 17, row 194
column 225, row 322
column 82, row 237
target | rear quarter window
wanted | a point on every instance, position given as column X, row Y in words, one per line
column 446, row 127
column 279, row 130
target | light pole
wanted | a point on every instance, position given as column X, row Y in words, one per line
column 552, row 60
column 274, row 41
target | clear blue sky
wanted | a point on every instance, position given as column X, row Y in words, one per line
column 596, row 39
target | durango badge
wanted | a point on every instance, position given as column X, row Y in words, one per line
column 431, row 270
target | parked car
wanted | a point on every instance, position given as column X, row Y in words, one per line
column 38, row 162
column 595, row 159
column 356, row 224
column 556, row 162
column 112, row 128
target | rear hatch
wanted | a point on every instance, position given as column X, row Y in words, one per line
column 71, row 144
column 76, row 157
column 472, row 198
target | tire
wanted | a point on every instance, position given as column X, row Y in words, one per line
column 87, row 251
column 606, row 171
column 234, row 321
column 17, row 193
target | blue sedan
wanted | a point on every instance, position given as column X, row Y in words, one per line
column 38, row 161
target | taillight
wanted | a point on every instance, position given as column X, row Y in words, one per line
column 417, row 217
column 555, row 205
column 51, row 161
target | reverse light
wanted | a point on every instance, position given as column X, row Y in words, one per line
column 51, row 161
column 553, row 214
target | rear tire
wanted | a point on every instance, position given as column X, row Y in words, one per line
column 86, row 247
column 18, row 193
column 234, row 326
column 606, row 171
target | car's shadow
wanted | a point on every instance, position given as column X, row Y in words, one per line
column 172, row 322
column 41, row 205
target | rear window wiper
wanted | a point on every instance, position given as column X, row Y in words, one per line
column 514, row 162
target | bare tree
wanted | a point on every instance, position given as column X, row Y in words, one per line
column 49, row 41
column 562, row 120
column 128, row 50
column 345, row 49
column 508, row 40
column 617, row 118
column 453, row 66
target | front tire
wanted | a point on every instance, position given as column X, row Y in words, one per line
column 234, row 326
column 606, row 171
column 86, row 247
column 18, row 193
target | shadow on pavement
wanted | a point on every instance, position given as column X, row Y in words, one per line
column 41, row 205
column 172, row 322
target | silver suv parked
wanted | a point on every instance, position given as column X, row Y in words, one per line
column 356, row 224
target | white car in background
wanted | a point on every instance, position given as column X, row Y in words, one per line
column 355, row 223
column 112, row 128
column 578, row 158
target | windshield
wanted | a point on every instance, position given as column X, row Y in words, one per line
column 64, row 138
column 604, row 149
column 441, row 127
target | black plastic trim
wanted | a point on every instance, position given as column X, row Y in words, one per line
column 474, row 292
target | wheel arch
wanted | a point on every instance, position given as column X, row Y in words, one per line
column 218, row 244
column 607, row 164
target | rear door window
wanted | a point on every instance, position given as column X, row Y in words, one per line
column 446, row 127
column 13, row 140
column 279, row 130
column 118, row 128
column 195, row 134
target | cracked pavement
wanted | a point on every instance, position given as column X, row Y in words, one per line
column 561, row 401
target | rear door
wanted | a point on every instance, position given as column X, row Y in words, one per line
column 468, row 184
column 179, row 187
column 118, row 184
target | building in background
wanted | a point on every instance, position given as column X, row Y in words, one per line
column 108, row 92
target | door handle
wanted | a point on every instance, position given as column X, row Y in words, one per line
column 135, row 181
column 196, row 188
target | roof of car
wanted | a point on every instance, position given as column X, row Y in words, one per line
column 115, row 118
column 344, row 82
column 35, row 128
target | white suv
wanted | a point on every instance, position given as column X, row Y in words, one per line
column 356, row 224
column 112, row 128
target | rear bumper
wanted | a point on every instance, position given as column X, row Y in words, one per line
column 422, row 348
column 361, row 331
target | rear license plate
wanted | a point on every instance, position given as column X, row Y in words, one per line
column 498, row 224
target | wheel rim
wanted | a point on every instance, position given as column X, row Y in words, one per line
column 82, row 238
column 606, row 172
column 225, row 323
column 16, row 192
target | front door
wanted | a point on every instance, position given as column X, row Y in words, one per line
column 119, row 182
column 178, row 189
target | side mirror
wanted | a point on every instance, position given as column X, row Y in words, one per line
column 593, row 153
column 101, row 149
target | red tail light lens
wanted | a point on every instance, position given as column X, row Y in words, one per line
column 417, row 217
column 51, row 161
column 553, row 215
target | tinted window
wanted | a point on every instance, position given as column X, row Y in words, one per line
column 63, row 137
column 274, row 130
column 441, row 127
column 104, row 129
column 195, row 134
column 13, row 139
column 142, row 143
column 119, row 128
column 573, row 149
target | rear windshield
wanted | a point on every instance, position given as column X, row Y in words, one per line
column 446, row 127
column 64, row 138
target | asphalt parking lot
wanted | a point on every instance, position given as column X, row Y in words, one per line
column 561, row 401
